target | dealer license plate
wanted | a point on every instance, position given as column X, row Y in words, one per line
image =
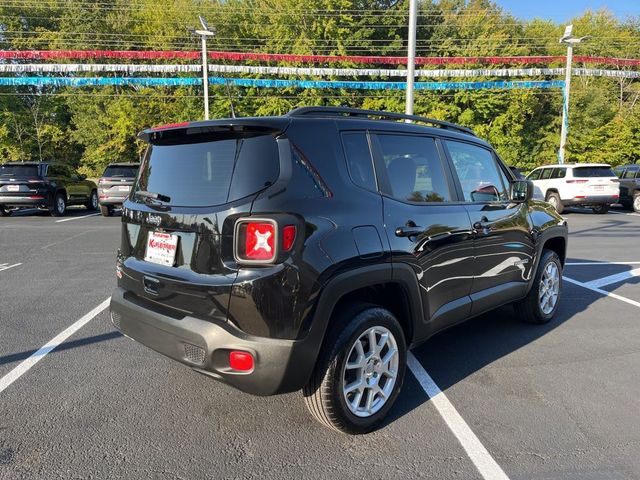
column 161, row 248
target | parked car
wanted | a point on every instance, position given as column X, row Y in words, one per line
column 312, row 250
column 114, row 186
column 53, row 186
column 629, row 176
column 588, row 184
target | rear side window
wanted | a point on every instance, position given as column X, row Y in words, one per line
column 480, row 176
column 19, row 170
column 359, row 163
column 59, row 171
column 546, row 174
column 414, row 168
column 209, row 170
column 559, row 173
column 535, row 175
column 120, row 171
column 586, row 172
column 631, row 173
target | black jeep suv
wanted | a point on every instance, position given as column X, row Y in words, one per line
column 311, row 250
column 53, row 186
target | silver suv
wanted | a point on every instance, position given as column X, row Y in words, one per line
column 114, row 186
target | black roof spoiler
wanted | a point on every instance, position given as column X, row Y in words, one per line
column 268, row 124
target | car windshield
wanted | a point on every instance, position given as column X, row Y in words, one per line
column 19, row 170
column 585, row 172
column 121, row 171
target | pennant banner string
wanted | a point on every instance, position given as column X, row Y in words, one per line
column 276, row 57
column 301, row 71
column 270, row 83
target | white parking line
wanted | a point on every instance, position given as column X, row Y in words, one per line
column 602, row 292
column 578, row 264
column 6, row 266
column 77, row 218
column 26, row 364
column 618, row 277
column 478, row 454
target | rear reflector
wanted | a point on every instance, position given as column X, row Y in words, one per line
column 288, row 237
column 36, row 197
column 241, row 361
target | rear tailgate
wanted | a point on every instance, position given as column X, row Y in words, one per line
column 19, row 186
column 177, row 238
column 597, row 180
column 115, row 186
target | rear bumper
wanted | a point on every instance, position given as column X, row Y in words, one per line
column 23, row 201
column 280, row 366
column 112, row 200
column 591, row 200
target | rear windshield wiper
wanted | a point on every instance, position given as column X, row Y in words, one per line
column 153, row 195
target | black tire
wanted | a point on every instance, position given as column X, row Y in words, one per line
column 59, row 207
column 636, row 202
column 554, row 199
column 601, row 209
column 92, row 204
column 106, row 211
column 324, row 395
column 529, row 308
column 5, row 212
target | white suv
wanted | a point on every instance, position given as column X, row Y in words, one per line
column 590, row 184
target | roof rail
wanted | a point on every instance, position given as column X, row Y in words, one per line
column 356, row 112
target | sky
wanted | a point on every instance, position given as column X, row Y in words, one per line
column 563, row 10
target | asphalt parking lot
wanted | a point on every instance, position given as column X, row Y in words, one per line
column 559, row 401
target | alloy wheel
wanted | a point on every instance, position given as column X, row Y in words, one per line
column 370, row 372
column 549, row 288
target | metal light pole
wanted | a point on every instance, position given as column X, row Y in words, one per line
column 411, row 55
column 204, row 33
column 569, row 40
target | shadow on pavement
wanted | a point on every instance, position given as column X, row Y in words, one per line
column 456, row 353
column 16, row 357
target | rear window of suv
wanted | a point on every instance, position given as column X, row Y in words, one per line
column 213, row 169
column 19, row 170
column 586, row 172
column 120, row 171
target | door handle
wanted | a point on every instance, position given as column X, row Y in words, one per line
column 412, row 231
column 480, row 224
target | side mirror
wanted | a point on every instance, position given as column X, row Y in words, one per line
column 521, row 191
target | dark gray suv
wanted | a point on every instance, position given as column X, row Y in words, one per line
column 629, row 176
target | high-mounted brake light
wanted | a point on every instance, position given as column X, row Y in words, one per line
column 170, row 125
column 288, row 237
